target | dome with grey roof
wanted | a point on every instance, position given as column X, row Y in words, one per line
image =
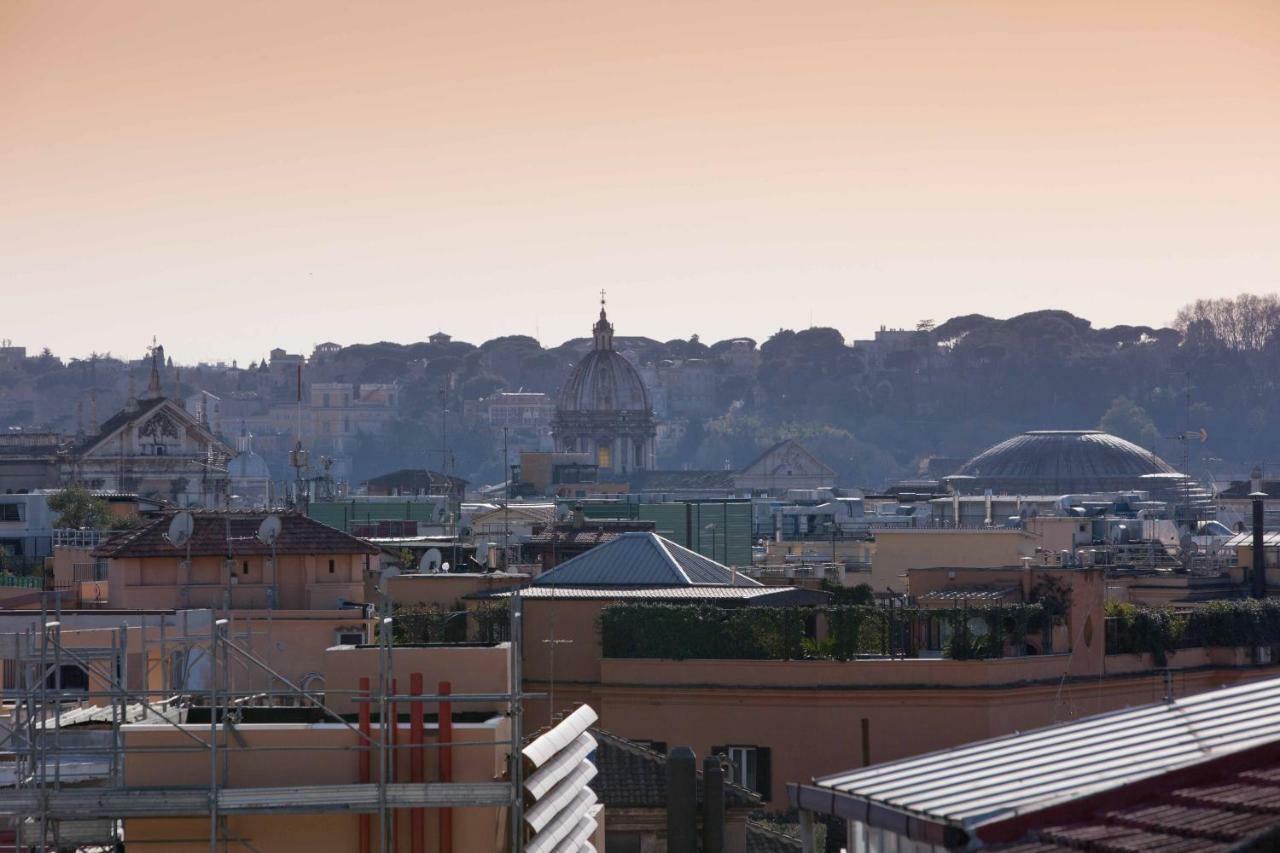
column 604, row 381
column 248, row 465
column 1056, row 462
column 604, row 409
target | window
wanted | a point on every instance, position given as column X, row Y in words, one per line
column 73, row 677
column 244, row 567
column 750, row 767
column 349, row 638
column 332, row 566
column 10, row 512
column 159, row 450
column 743, row 759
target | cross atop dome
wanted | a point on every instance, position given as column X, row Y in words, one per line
column 602, row 331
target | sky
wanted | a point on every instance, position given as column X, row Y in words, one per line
column 239, row 175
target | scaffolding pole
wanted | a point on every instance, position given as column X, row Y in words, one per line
column 46, row 794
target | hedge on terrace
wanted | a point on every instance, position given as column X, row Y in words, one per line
column 788, row 633
column 1160, row 631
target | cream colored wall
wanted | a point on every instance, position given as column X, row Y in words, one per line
column 304, row 582
column 1057, row 533
column 899, row 550
column 470, row 669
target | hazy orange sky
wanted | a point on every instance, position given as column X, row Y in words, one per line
column 235, row 175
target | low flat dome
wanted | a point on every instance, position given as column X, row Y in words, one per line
column 604, row 382
column 1059, row 461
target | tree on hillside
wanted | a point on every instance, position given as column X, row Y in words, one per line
column 1128, row 420
column 1245, row 322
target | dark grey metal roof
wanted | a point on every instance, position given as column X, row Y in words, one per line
column 642, row 559
column 755, row 596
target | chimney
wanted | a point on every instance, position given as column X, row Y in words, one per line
column 1258, row 587
column 578, row 520
column 712, row 805
column 682, row 795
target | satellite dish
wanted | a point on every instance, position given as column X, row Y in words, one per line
column 269, row 530
column 387, row 573
column 444, row 567
column 977, row 627
column 180, row 529
column 430, row 561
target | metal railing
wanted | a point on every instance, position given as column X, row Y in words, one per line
column 71, row 538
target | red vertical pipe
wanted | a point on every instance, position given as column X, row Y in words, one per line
column 417, row 817
column 394, row 722
column 365, row 748
column 446, row 765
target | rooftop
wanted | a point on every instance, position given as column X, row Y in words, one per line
column 1236, row 811
column 1061, row 461
column 956, row 792
column 233, row 533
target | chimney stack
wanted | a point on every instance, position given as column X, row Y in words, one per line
column 1258, row 587
column 682, row 805
column 712, row 805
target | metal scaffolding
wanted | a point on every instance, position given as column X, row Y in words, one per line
column 68, row 789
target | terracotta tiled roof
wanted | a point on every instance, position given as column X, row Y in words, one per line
column 221, row 533
column 1240, row 811
column 633, row 776
column 762, row 839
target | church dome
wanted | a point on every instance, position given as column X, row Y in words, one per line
column 1055, row 462
column 604, row 381
column 248, row 465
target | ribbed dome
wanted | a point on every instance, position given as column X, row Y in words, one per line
column 1049, row 462
column 603, row 381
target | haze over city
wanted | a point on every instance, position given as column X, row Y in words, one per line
column 243, row 176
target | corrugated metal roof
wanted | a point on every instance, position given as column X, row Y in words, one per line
column 1269, row 540
column 998, row 779
column 641, row 559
